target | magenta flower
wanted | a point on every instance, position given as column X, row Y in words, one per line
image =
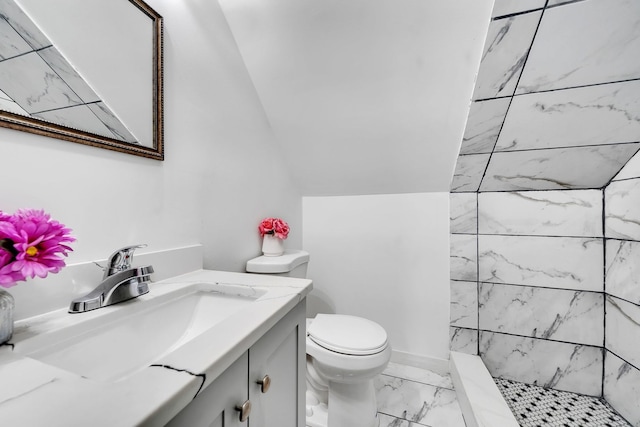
column 36, row 246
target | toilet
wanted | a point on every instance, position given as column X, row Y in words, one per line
column 344, row 355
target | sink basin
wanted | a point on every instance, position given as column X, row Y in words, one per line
column 122, row 339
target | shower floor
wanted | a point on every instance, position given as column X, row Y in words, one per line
column 535, row 406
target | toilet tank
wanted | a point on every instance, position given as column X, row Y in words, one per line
column 293, row 263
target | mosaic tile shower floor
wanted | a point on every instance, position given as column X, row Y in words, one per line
column 534, row 406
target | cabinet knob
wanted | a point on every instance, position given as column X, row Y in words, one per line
column 265, row 383
column 244, row 410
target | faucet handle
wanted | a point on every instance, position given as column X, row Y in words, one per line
column 121, row 259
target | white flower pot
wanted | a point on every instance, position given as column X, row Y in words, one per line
column 272, row 246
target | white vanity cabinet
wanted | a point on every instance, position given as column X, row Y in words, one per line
column 270, row 375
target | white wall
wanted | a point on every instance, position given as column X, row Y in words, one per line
column 221, row 176
column 386, row 258
column 365, row 96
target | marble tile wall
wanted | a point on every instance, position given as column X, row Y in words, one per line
column 549, row 154
column 464, row 272
column 549, row 115
column 534, row 311
column 622, row 288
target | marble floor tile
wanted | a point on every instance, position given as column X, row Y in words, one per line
column 389, row 421
column 420, row 375
column 422, row 404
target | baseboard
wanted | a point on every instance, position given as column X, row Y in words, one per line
column 435, row 364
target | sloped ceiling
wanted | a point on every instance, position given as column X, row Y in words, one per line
column 364, row 96
column 557, row 100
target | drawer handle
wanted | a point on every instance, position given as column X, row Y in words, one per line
column 244, row 410
column 265, row 383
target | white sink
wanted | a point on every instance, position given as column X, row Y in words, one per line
column 111, row 343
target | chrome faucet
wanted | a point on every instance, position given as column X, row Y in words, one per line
column 120, row 282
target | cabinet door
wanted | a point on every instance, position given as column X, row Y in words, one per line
column 280, row 355
column 215, row 406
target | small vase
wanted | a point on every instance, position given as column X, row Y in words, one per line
column 6, row 316
column 272, row 246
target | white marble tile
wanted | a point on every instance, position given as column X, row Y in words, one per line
column 551, row 364
column 76, row 117
column 571, row 316
column 464, row 304
column 602, row 114
column 109, row 119
column 463, row 340
column 483, row 125
column 12, row 107
column 504, row 55
column 623, row 329
column 11, row 44
column 389, row 421
column 561, row 2
column 556, row 169
column 622, row 209
column 547, row 213
column 10, row 11
column 67, row 73
column 468, row 173
column 419, row 403
column 600, row 43
column 506, row 7
column 420, row 375
column 463, row 257
column 630, row 170
column 555, row 262
column 463, row 213
column 622, row 388
column 623, row 269
column 23, row 71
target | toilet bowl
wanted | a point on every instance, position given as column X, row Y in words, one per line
column 344, row 355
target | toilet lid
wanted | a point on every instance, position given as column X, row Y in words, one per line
column 347, row 334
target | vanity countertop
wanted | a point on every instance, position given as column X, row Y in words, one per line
column 33, row 393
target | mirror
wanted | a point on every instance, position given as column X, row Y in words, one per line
column 86, row 71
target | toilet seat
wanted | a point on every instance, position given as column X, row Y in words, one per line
column 349, row 335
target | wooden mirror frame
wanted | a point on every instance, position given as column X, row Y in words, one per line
column 40, row 127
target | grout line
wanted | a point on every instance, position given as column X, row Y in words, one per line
column 524, row 64
column 514, row 14
column 542, row 339
column 549, row 288
column 477, row 274
column 546, row 236
column 604, row 292
column 541, row 287
column 624, row 360
column 404, row 419
column 562, row 147
column 622, row 179
column 413, row 380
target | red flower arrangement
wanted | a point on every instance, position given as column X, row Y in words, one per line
column 274, row 226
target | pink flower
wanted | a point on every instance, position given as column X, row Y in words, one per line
column 274, row 226
column 8, row 277
column 266, row 226
column 38, row 243
column 281, row 229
